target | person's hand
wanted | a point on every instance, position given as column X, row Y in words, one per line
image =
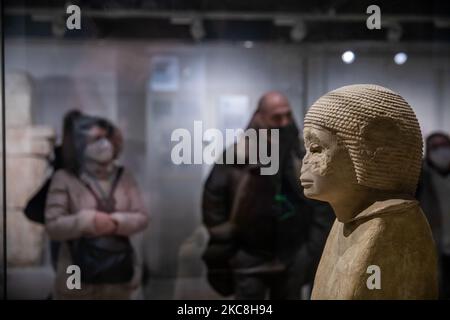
column 104, row 224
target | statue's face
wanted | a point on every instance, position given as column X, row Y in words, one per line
column 327, row 171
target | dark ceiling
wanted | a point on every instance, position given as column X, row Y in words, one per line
column 234, row 20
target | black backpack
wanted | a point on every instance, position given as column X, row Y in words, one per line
column 35, row 208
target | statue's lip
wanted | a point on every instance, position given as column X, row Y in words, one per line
column 306, row 182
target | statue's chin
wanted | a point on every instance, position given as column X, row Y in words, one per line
column 309, row 193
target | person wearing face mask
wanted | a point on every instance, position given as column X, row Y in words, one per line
column 94, row 208
column 434, row 195
column 265, row 237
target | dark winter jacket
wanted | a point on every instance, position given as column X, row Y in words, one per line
column 262, row 215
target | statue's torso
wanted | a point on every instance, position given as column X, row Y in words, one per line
column 392, row 235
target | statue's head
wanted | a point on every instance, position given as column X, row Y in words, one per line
column 363, row 137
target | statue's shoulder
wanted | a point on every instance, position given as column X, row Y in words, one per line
column 396, row 221
column 388, row 207
column 387, row 220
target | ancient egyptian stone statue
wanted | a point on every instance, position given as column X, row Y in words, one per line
column 364, row 152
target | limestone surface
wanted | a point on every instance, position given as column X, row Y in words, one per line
column 363, row 156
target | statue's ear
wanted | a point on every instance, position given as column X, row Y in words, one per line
column 380, row 137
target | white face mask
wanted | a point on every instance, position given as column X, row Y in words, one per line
column 101, row 151
column 441, row 158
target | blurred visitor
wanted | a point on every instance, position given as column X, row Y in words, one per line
column 94, row 207
column 266, row 238
column 434, row 196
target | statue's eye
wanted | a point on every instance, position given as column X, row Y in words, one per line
column 315, row 148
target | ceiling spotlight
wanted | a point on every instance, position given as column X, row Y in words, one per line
column 248, row 44
column 298, row 31
column 58, row 26
column 197, row 29
column 348, row 57
column 395, row 32
column 400, row 58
